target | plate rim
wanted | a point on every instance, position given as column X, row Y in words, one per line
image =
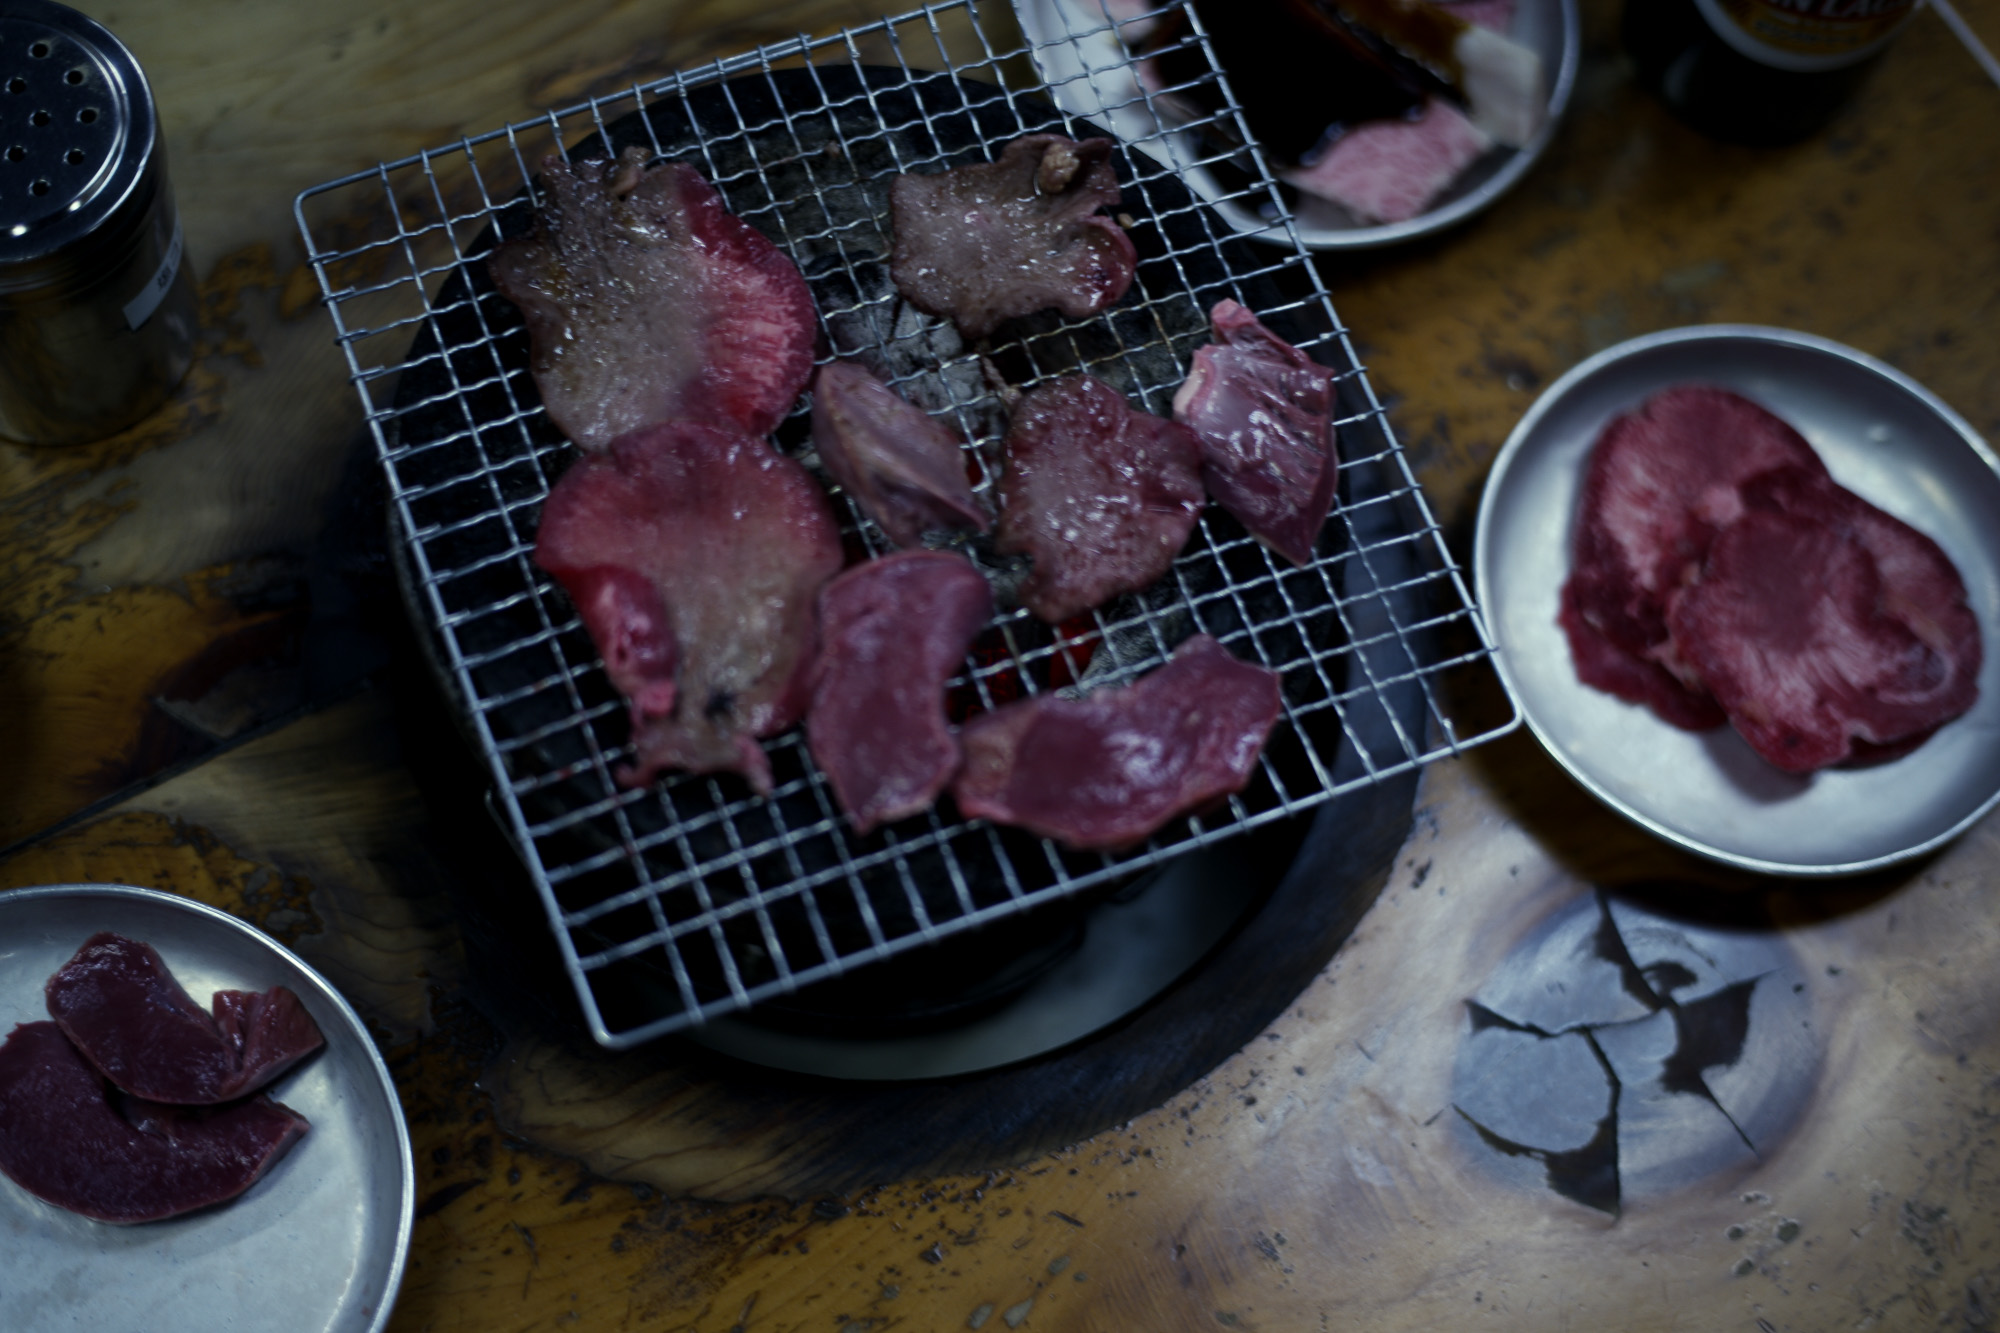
column 1489, row 500
column 324, row 990
column 1271, row 231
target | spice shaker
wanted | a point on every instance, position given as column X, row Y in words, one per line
column 97, row 311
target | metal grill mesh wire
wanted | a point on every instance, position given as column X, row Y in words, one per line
column 694, row 898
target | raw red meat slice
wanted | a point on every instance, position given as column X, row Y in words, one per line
column 63, row 1141
column 987, row 243
column 1662, row 480
column 120, row 1004
column 1106, row 771
column 647, row 301
column 1101, row 496
column 1391, row 170
column 1603, row 665
column 1263, row 411
column 892, row 632
column 1820, row 621
column 903, row 469
column 733, row 540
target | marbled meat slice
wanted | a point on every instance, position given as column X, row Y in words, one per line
column 1102, row 497
column 647, row 301
column 1392, row 170
column 1661, row 481
column 1106, row 771
column 983, row 244
column 117, row 1000
column 892, row 632
column 903, row 469
column 733, row 539
column 1263, row 411
column 64, row 1141
column 1820, row 622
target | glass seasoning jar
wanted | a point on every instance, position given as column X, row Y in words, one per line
column 1763, row 72
column 97, row 308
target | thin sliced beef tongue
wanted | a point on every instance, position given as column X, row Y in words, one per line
column 892, row 632
column 646, row 300
column 120, row 1004
column 1820, row 621
column 1102, row 497
column 1603, row 665
column 67, row 1140
column 1108, row 770
column 983, row 244
column 1263, row 411
column 1661, row 481
column 903, row 469
column 733, row 539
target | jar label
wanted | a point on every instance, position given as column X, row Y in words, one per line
column 141, row 307
column 1805, row 35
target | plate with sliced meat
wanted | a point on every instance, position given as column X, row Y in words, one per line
column 166, row 1169
column 1379, row 121
column 1745, row 586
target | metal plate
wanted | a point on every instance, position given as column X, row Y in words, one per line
column 316, row 1246
column 1090, row 72
column 1883, row 436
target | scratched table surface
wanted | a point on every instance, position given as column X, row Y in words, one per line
column 206, row 686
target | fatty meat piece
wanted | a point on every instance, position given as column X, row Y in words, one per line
column 1827, row 628
column 1392, row 170
column 1107, row 771
column 119, row 1003
column 64, row 1141
column 1102, row 497
column 1661, row 481
column 892, row 632
column 983, row 244
column 646, row 301
column 903, row 469
column 1263, row 411
column 733, row 540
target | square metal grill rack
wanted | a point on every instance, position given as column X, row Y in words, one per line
column 695, row 897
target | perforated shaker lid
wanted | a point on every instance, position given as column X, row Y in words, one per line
column 77, row 131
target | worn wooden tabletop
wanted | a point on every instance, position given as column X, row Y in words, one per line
column 204, row 687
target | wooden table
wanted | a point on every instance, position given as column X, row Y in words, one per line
column 200, row 671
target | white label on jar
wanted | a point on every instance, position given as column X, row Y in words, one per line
column 1805, row 36
column 141, row 307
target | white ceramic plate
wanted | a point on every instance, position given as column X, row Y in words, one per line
column 316, row 1246
column 1090, row 73
column 1883, row 436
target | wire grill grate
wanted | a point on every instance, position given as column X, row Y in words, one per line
column 694, row 897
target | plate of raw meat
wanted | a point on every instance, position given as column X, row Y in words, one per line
column 1745, row 585
column 259, row 1178
column 1379, row 121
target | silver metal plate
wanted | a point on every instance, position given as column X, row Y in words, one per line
column 316, row 1246
column 1883, row 436
column 1090, row 72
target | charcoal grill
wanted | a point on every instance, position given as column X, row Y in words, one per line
column 695, row 897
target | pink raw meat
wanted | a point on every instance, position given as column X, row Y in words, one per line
column 647, row 301
column 1819, row 621
column 987, row 243
column 733, row 540
column 1391, row 170
column 1102, row 497
column 1662, row 480
column 118, row 1002
column 1263, row 411
column 1106, row 771
column 64, row 1141
column 892, row 632
column 903, row 469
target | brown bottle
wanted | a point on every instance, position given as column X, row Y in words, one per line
column 1757, row 71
